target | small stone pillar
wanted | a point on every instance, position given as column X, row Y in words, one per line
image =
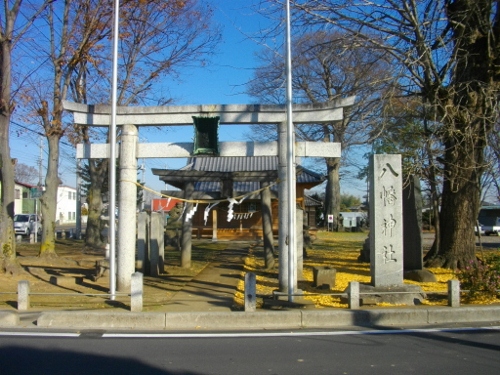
column 142, row 243
column 157, row 249
column 454, row 293
column 324, row 277
column 250, row 292
column 136, row 292
column 23, row 295
column 353, row 291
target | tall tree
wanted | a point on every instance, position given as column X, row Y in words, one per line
column 25, row 173
column 69, row 44
column 157, row 39
column 493, row 170
column 10, row 35
column 449, row 53
column 328, row 66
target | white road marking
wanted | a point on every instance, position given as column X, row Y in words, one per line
column 245, row 334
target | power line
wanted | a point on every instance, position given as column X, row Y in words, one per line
column 39, row 133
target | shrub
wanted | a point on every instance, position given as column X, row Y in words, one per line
column 481, row 276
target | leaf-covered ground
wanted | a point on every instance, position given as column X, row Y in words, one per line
column 340, row 250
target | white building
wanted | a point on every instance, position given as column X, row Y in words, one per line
column 26, row 202
column 26, row 198
column 66, row 205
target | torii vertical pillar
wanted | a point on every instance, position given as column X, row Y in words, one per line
column 283, row 240
column 127, row 208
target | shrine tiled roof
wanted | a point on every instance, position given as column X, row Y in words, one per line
column 244, row 164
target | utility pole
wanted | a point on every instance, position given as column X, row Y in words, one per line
column 40, row 162
column 290, row 166
column 112, row 154
column 143, row 182
column 78, row 233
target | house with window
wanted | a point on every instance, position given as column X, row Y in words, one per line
column 26, row 200
column 66, row 205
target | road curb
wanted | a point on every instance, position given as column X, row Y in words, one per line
column 261, row 320
column 100, row 319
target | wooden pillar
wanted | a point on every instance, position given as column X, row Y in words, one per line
column 214, row 225
column 187, row 227
column 267, row 225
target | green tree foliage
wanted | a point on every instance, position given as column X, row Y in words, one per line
column 347, row 201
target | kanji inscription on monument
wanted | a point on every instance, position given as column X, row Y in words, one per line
column 386, row 220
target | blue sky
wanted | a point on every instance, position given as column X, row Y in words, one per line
column 222, row 81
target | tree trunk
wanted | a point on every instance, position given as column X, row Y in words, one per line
column 97, row 171
column 48, row 201
column 468, row 109
column 433, row 185
column 332, row 191
column 7, row 185
column 460, row 204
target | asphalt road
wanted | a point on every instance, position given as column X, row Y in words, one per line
column 467, row 351
column 488, row 242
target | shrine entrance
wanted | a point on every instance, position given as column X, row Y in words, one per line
column 132, row 118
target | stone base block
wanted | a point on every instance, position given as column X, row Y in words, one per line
column 280, row 302
column 421, row 276
column 396, row 295
column 37, row 271
column 65, row 280
column 324, row 277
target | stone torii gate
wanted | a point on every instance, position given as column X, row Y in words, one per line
column 130, row 118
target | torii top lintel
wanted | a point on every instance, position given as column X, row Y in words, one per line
column 234, row 114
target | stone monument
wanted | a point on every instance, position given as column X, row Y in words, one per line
column 413, row 252
column 386, row 236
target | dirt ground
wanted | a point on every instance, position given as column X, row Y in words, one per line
column 66, row 282
column 55, row 282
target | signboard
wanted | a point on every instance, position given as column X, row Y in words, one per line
column 330, row 218
column 36, row 192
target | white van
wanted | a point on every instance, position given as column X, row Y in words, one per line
column 25, row 224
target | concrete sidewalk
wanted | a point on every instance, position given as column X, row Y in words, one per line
column 206, row 303
column 213, row 289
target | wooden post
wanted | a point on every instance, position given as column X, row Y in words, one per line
column 187, row 227
column 267, row 225
column 214, row 225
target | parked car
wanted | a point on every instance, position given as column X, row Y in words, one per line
column 25, row 224
column 481, row 229
column 493, row 227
